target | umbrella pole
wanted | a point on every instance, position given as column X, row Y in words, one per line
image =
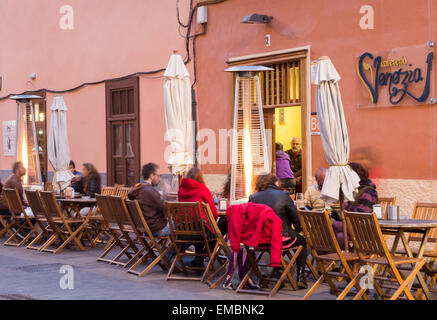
column 341, row 199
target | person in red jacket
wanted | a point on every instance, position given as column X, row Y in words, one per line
column 193, row 189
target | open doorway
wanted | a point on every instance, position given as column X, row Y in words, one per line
column 286, row 103
column 284, row 131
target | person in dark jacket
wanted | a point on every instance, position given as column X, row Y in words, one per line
column 365, row 197
column 92, row 182
column 150, row 201
column 268, row 193
column 14, row 181
column 283, row 169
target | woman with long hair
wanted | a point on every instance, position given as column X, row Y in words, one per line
column 92, row 181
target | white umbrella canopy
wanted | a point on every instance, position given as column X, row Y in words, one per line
column 57, row 145
column 334, row 134
column 178, row 117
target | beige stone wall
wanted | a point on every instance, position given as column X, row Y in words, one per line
column 215, row 182
column 407, row 192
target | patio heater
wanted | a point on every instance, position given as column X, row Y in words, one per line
column 26, row 139
column 249, row 145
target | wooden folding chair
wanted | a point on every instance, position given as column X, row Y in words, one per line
column 122, row 192
column 154, row 248
column 321, row 240
column 48, row 186
column 372, row 250
column 287, row 268
column 69, row 230
column 117, row 236
column 97, row 226
column 386, row 202
column 221, row 253
column 6, row 222
column 187, row 227
column 109, row 191
column 24, row 226
column 124, row 224
column 255, row 266
column 39, row 213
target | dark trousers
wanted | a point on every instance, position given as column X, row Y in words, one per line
column 301, row 259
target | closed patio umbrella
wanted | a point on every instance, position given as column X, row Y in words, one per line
column 333, row 130
column 57, row 145
column 178, row 117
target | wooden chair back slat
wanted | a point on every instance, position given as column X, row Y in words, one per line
column 137, row 217
column 48, row 186
column 425, row 211
column 53, row 210
column 35, row 203
column 105, row 208
column 122, row 192
column 119, row 209
column 366, row 233
column 386, row 202
column 13, row 200
column 185, row 216
column 109, row 191
column 318, row 230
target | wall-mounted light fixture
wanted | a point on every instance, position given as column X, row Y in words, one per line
column 257, row 18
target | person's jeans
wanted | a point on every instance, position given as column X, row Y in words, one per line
column 164, row 232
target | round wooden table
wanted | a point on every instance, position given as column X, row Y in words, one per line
column 399, row 228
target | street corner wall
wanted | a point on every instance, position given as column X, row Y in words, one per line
column 152, row 122
column 8, row 112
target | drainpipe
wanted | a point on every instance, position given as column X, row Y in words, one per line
column 194, row 118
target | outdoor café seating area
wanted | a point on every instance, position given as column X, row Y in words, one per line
column 383, row 258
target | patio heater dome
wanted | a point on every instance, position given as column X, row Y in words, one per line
column 26, row 139
column 249, row 144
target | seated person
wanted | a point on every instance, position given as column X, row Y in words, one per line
column 15, row 182
column 192, row 189
column 295, row 154
column 312, row 195
column 268, row 193
column 77, row 181
column 283, row 170
column 150, row 201
column 365, row 197
column 92, row 183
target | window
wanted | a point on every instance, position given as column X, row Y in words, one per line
column 280, row 87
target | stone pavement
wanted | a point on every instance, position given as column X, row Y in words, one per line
column 28, row 274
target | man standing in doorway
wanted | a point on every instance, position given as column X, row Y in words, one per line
column 295, row 154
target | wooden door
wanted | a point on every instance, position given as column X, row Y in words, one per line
column 123, row 137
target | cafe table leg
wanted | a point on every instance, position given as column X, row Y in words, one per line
column 394, row 247
column 419, row 255
column 86, row 231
